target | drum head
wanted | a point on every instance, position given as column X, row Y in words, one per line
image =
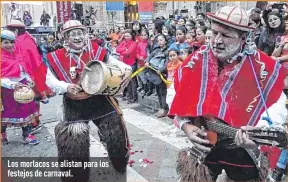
column 92, row 81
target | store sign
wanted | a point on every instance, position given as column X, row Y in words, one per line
column 63, row 11
column 145, row 9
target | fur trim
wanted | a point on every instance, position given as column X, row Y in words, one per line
column 190, row 170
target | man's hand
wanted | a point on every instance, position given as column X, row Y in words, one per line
column 127, row 77
column 193, row 133
column 146, row 65
column 241, row 138
column 73, row 89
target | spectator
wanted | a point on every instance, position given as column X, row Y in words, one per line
column 142, row 52
column 127, row 50
column 168, row 31
column 180, row 39
column 44, row 20
column 136, row 30
column 275, row 27
column 158, row 60
column 27, row 18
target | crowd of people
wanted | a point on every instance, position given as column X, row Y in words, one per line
column 161, row 54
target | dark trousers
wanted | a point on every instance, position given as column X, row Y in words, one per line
column 26, row 130
column 132, row 89
column 161, row 90
column 132, row 86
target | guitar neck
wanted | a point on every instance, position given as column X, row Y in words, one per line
column 221, row 128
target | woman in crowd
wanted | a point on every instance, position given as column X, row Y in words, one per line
column 200, row 35
column 15, row 74
column 27, row 18
column 168, row 31
column 275, row 27
column 128, row 51
column 158, row 60
column 136, row 31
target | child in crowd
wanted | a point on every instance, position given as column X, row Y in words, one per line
column 174, row 61
column 191, row 37
column 142, row 51
column 114, row 45
column 208, row 36
column 186, row 52
column 180, row 39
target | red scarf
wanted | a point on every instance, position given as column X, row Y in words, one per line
column 10, row 65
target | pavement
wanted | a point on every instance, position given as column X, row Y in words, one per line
column 150, row 137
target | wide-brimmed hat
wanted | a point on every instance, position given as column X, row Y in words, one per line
column 232, row 16
column 16, row 23
column 7, row 34
column 70, row 25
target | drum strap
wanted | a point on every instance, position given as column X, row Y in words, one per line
column 115, row 105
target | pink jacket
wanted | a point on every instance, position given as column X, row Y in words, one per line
column 142, row 51
column 26, row 46
column 127, row 51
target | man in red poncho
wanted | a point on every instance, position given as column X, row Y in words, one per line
column 79, row 107
column 219, row 83
column 26, row 46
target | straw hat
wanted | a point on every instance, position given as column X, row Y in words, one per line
column 232, row 16
column 70, row 25
column 7, row 34
column 16, row 23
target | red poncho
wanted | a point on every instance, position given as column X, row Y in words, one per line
column 233, row 95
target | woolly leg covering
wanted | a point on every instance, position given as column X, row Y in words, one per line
column 189, row 169
column 73, row 144
column 113, row 134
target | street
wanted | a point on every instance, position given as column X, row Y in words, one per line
column 150, row 139
column 148, row 136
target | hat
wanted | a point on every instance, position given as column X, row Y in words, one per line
column 16, row 23
column 232, row 16
column 70, row 25
column 7, row 34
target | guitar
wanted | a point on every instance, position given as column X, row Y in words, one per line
column 270, row 136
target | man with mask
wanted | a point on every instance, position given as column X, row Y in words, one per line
column 231, row 78
column 72, row 134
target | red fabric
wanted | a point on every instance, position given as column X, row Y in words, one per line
column 65, row 61
column 240, row 95
column 273, row 154
column 127, row 51
column 137, row 39
column 26, row 46
column 10, row 65
column 142, row 51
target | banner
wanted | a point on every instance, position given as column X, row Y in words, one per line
column 63, row 11
column 145, row 10
column 114, row 6
column 145, row 6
